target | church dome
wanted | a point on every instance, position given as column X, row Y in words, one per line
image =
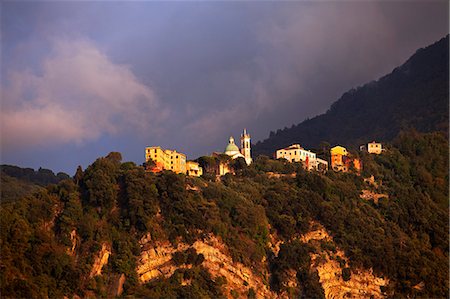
column 231, row 148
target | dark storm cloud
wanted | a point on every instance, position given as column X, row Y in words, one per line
column 214, row 68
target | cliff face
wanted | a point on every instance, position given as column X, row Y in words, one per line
column 329, row 265
column 73, row 240
column 239, row 277
column 156, row 261
column 100, row 260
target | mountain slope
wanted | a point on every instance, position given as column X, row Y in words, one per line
column 414, row 95
column 41, row 177
column 115, row 230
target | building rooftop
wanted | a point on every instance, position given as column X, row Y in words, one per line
column 231, row 147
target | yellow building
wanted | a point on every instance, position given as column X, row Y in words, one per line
column 339, row 150
column 166, row 159
column 193, row 169
column 338, row 157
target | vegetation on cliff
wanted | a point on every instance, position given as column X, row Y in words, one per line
column 403, row 236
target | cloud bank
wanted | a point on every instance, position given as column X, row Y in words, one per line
column 78, row 95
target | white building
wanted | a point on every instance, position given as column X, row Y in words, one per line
column 234, row 152
column 372, row 148
column 321, row 165
column 296, row 153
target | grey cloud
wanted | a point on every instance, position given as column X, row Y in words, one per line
column 217, row 67
column 79, row 96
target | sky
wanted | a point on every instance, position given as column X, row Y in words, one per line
column 82, row 79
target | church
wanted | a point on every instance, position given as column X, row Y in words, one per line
column 234, row 152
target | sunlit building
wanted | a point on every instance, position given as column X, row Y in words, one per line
column 296, row 153
column 372, row 148
column 338, row 157
column 341, row 160
column 321, row 165
column 234, row 152
column 165, row 159
column 193, row 169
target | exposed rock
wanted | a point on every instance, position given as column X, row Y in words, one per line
column 362, row 283
column 192, row 188
column 100, row 260
column 371, row 181
column 420, row 286
column 157, row 262
column 280, row 175
column 57, row 209
column 317, row 232
column 239, row 277
column 291, row 282
column 274, row 243
column 370, row 195
column 73, row 240
column 115, row 288
column 145, row 239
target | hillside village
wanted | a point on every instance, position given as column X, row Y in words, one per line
column 158, row 159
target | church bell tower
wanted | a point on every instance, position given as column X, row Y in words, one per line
column 245, row 147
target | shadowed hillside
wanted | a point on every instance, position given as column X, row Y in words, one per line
column 414, row 95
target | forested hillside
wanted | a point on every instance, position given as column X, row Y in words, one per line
column 414, row 95
column 101, row 232
column 41, row 177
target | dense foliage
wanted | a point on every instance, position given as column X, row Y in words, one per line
column 414, row 95
column 403, row 236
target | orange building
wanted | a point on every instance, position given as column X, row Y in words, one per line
column 342, row 161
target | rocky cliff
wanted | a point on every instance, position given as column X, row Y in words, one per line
column 100, row 260
column 156, row 261
column 330, row 265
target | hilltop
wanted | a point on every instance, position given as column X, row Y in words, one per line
column 414, row 95
column 272, row 230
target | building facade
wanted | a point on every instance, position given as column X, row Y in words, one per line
column 193, row 169
column 321, row 165
column 341, row 160
column 234, row 152
column 165, row 159
column 296, row 153
column 245, row 147
column 372, row 148
column 339, row 156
